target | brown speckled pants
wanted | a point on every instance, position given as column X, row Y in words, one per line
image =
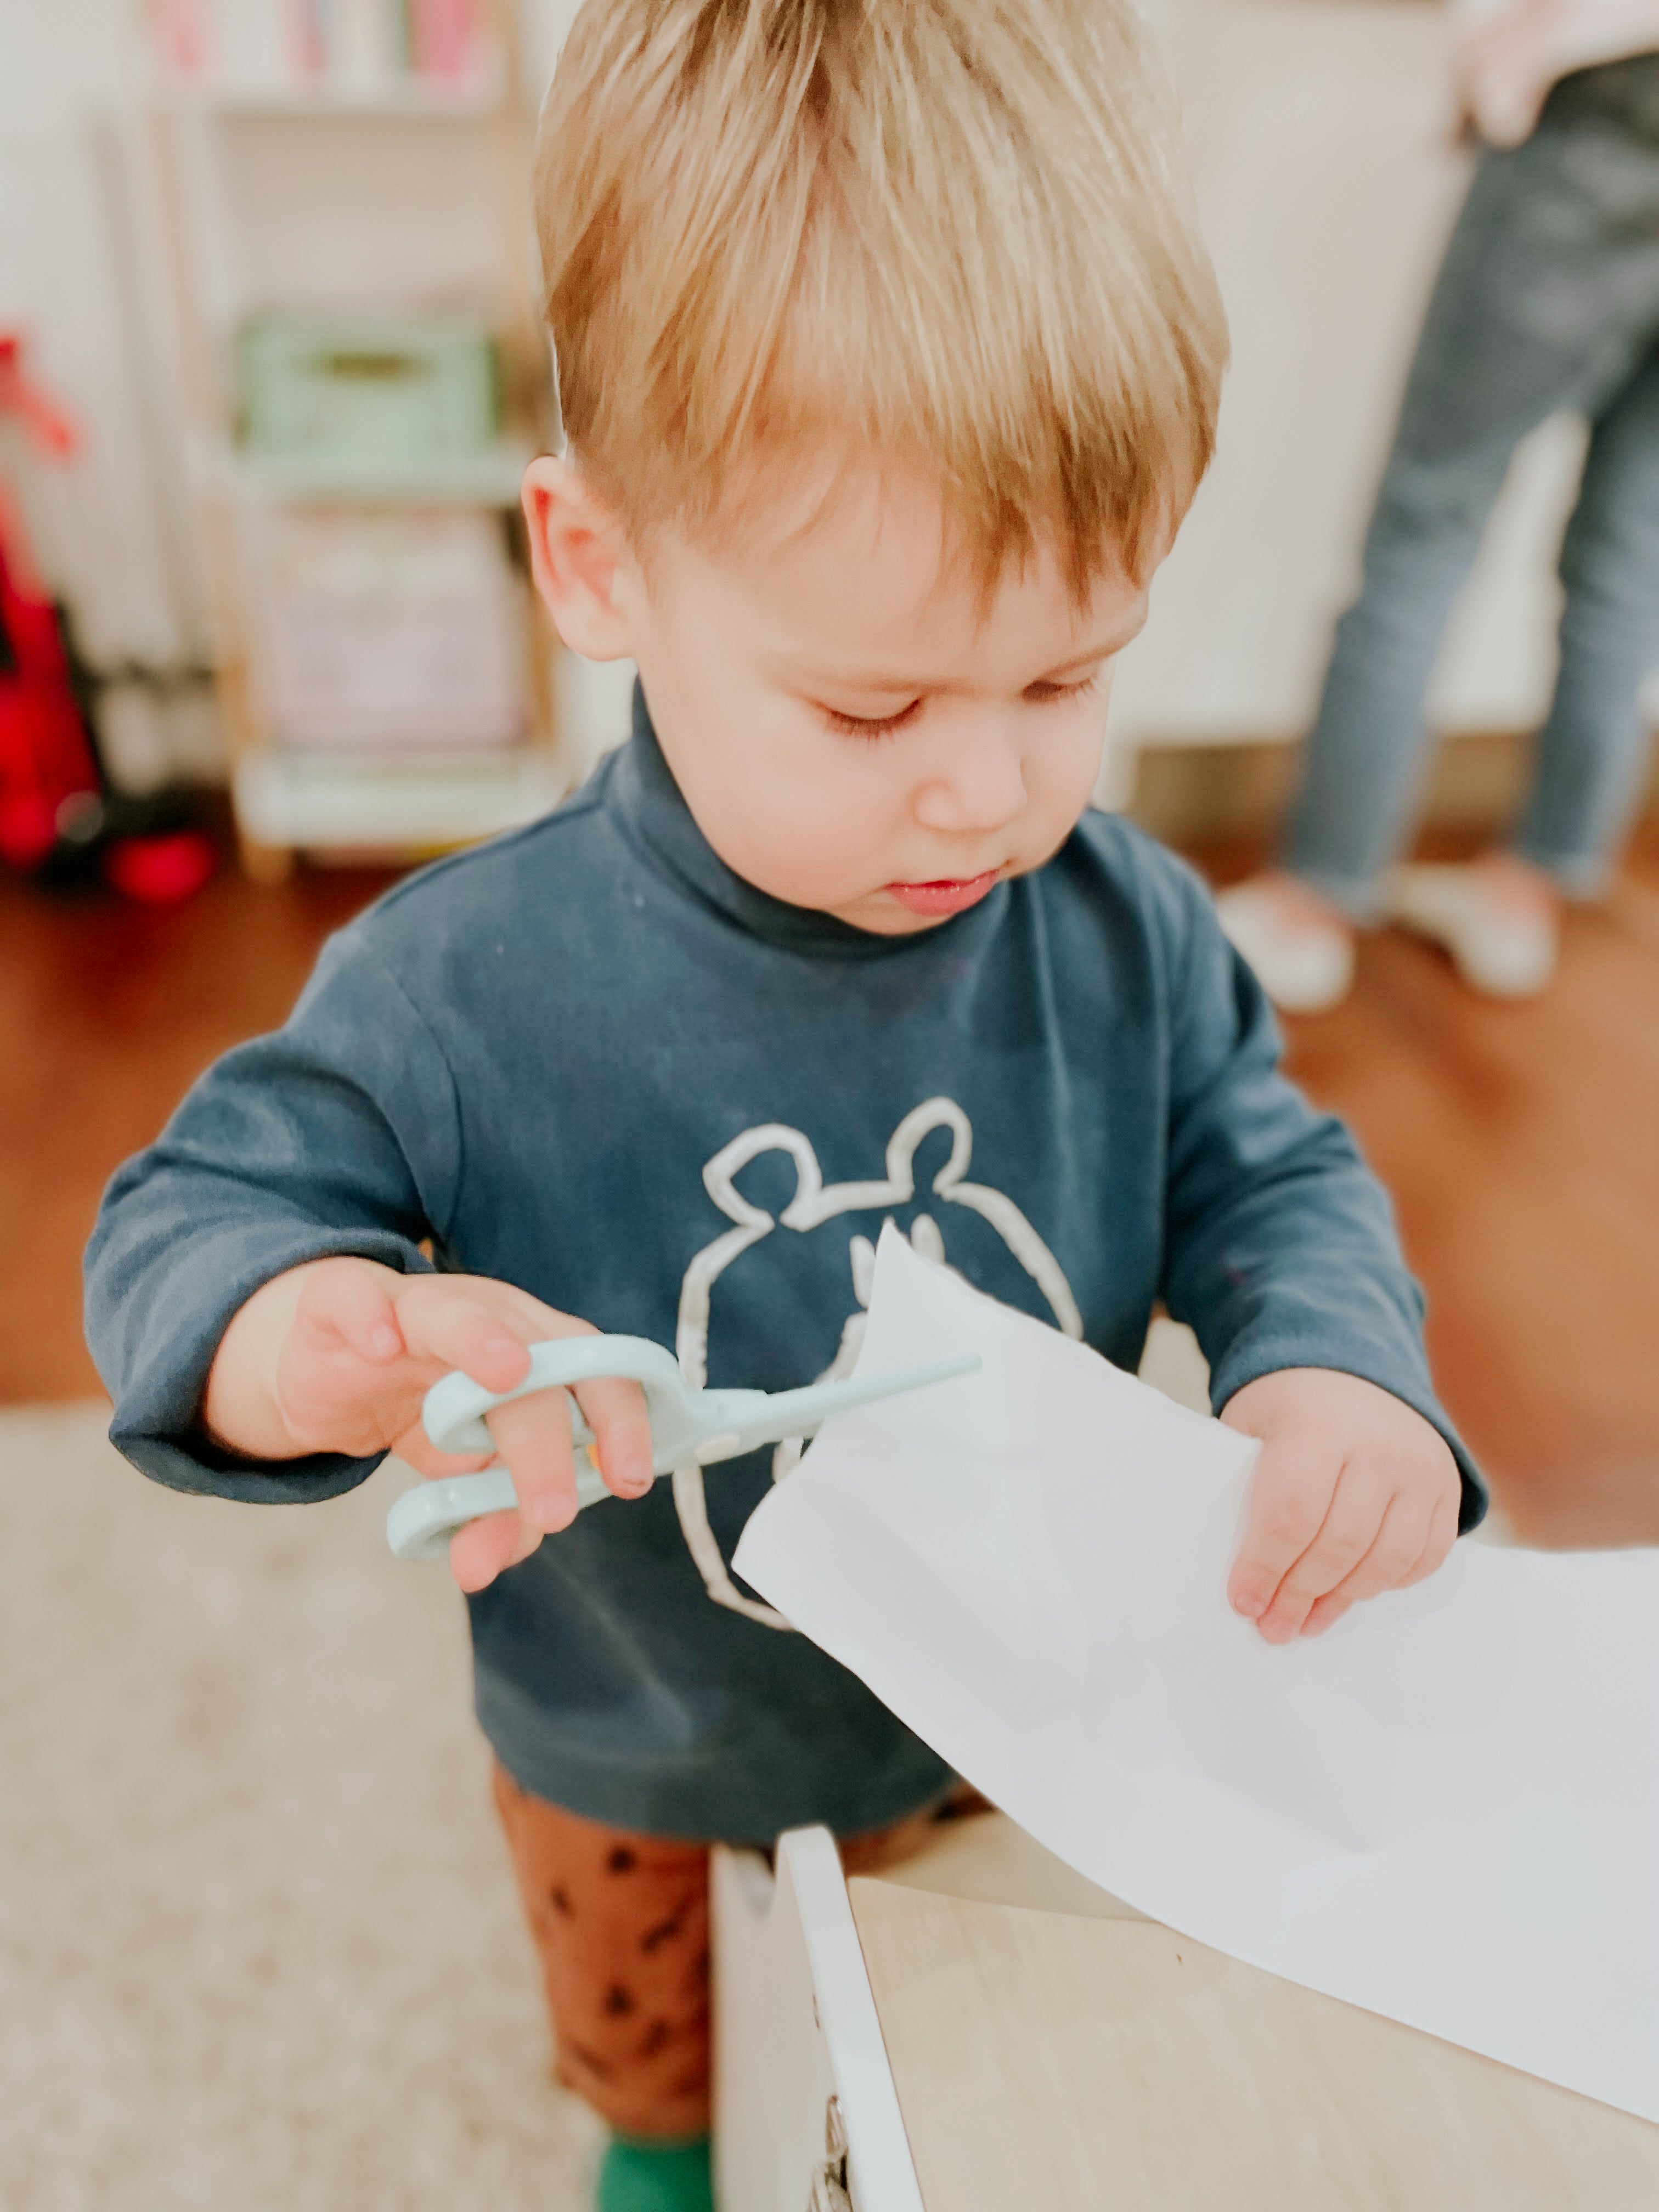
column 621, row 1922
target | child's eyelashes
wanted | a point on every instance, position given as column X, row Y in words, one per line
column 1048, row 695
column 874, row 726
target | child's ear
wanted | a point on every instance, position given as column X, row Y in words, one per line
column 575, row 544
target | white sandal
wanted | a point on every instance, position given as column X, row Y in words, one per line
column 1498, row 952
column 1304, row 967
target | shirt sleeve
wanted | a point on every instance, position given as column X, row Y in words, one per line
column 1280, row 1249
column 339, row 1133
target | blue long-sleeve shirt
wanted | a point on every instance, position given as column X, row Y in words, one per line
column 589, row 1059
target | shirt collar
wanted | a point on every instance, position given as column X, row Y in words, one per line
column 645, row 793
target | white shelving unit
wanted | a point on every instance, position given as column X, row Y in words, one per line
column 488, row 478
column 480, row 96
column 401, row 196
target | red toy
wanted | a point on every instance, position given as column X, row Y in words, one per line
column 52, row 798
column 45, row 763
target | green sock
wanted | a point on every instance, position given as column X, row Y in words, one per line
column 647, row 2177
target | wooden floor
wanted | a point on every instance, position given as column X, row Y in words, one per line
column 1521, row 1145
column 107, row 1012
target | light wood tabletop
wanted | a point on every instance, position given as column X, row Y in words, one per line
column 1077, row 2060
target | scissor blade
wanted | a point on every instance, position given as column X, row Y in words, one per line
column 800, row 1412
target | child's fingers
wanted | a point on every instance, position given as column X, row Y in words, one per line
column 455, row 1328
column 1357, row 1510
column 614, row 1409
column 1443, row 1534
column 415, row 1448
column 1388, row 1563
column 1289, row 1496
column 533, row 1436
column 1439, row 1533
column 349, row 1300
column 484, row 1548
column 613, row 1406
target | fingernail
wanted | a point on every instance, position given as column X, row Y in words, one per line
column 627, row 1474
column 547, row 1513
column 383, row 1341
column 1249, row 1606
column 502, row 1347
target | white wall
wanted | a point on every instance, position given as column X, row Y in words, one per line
column 78, row 273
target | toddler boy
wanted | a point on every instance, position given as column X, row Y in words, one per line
column 889, row 362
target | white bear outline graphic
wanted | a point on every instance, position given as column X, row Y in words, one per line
column 814, row 1203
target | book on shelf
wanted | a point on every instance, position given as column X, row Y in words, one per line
column 289, row 48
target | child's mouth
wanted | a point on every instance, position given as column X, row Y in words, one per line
column 949, row 895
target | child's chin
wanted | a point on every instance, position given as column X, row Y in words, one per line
column 882, row 915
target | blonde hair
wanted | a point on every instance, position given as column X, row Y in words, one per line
column 947, row 232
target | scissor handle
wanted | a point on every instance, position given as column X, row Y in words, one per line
column 422, row 1522
column 452, row 1412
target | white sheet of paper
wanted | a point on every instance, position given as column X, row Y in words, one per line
column 1446, row 1809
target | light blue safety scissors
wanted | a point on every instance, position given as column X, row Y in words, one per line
column 688, row 1427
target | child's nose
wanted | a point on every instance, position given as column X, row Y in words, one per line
column 978, row 783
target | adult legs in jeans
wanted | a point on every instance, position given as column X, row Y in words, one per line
column 1593, row 749
column 1548, row 298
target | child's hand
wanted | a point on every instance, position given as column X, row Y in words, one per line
column 337, row 1356
column 1354, row 1494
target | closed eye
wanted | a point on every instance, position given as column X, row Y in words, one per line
column 1049, row 694
column 873, row 725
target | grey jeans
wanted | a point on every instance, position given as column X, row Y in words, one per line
column 1548, row 299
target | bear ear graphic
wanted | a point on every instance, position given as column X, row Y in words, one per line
column 719, row 1176
column 920, row 1123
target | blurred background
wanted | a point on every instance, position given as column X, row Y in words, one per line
column 270, row 369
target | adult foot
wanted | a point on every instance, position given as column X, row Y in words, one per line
column 1499, row 918
column 1300, row 947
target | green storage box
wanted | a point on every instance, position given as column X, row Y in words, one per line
column 376, row 393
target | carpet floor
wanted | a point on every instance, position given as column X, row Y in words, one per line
column 258, row 1948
